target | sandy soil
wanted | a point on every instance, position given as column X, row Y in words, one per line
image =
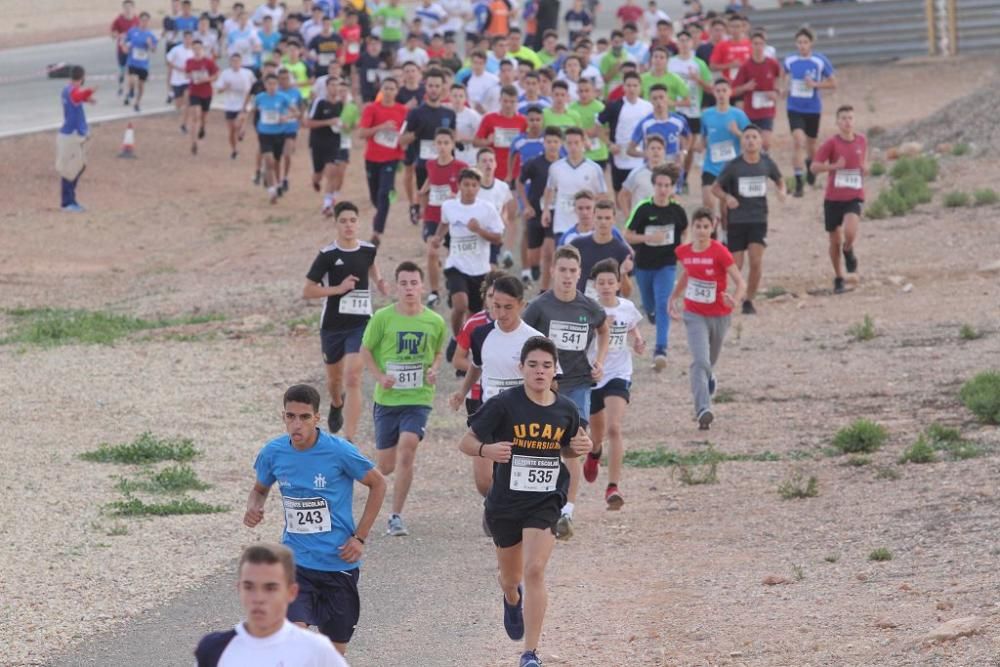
column 673, row 579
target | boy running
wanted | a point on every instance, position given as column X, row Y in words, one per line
column 274, row 110
column 381, row 125
column 440, row 184
column 203, row 72
column 805, row 74
column 140, row 42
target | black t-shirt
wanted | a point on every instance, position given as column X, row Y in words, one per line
column 748, row 183
column 592, row 252
column 406, row 94
column 216, row 21
column 649, row 218
column 330, row 267
column 368, row 72
column 535, row 175
column 538, row 433
column 326, row 47
column 424, row 121
column 325, row 137
column 292, row 36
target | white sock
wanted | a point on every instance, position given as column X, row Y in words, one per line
column 568, row 509
column 525, row 273
column 327, row 200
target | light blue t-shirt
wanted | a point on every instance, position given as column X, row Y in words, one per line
column 317, row 494
column 671, row 129
column 721, row 145
column 801, row 98
column 185, row 23
column 268, row 43
column 271, row 108
column 523, row 104
column 139, row 41
column 294, row 102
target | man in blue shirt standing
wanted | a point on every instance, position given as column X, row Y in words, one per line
column 140, row 42
column 316, row 472
column 70, row 156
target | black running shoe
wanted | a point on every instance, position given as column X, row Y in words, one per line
column 810, row 176
column 414, row 214
column 838, row 286
column 850, row 261
column 748, row 308
column 798, row 187
column 201, row 133
column 335, row 418
column 450, row 352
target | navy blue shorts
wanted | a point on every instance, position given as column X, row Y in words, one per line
column 338, row 343
column 392, row 420
column 615, row 387
column 328, row 600
column 179, row 90
column 764, row 123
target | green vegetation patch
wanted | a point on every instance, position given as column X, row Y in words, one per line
column 981, row 395
column 186, row 505
column 862, row 437
column 146, row 448
column 49, row 327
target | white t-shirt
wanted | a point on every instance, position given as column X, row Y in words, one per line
column 498, row 194
column 310, row 29
column 456, row 11
column 178, row 57
column 629, row 117
column 210, row 41
column 276, row 13
column 639, row 184
column 238, row 83
column 618, row 364
column 469, row 252
column 499, row 355
column 466, row 123
column 291, row 645
column 417, row 55
column 683, row 69
column 593, row 73
column 651, row 17
column 484, row 89
column 567, row 180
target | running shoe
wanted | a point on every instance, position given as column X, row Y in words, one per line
column 201, row 132
column 256, row 177
column 432, row 299
column 652, row 318
column 137, row 109
column 838, row 286
column 798, row 187
column 614, row 498
column 530, row 659
column 194, row 149
column 705, row 418
column 316, row 186
column 396, row 527
column 272, row 193
column 328, row 211
column 592, row 466
column 414, row 214
column 748, row 308
column 184, row 128
column 513, row 616
column 850, row 261
column 73, row 208
column 170, row 98
column 659, row 359
column 564, row 527
column 526, row 279
column 711, row 385
column 335, row 418
column 232, row 156
column 284, row 185
column 810, row 176
column 507, row 260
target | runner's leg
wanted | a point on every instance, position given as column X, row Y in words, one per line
column 536, row 546
column 756, row 253
column 697, row 328
column 835, row 248
column 614, row 409
column 353, row 367
column 851, row 223
column 459, row 311
column 405, row 460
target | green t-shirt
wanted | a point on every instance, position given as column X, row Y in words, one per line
column 524, row 53
column 404, row 346
column 596, row 149
column 300, row 75
column 608, row 61
column 545, row 57
column 676, row 88
column 569, row 118
column 393, row 21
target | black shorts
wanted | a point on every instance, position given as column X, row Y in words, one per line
column 507, row 530
column 472, row 405
column 495, row 253
column 328, row 600
column 421, row 173
column 807, row 122
column 603, row 164
column 766, row 124
column 536, row 233
column 694, row 124
column 343, row 155
column 271, row 143
column 459, row 283
column 291, row 136
column 232, row 115
column 618, row 177
column 835, row 211
column 411, row 155
column 143, row 74
column 322, row 155
column 179, row 90
column 740, row 235
column 707, row 179
column 122, row 57
column 345, row 69
column 337, row 343
column 616, row 387
column 204, row 102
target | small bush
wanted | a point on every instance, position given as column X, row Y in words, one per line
column 943, row 435
column 857, row 461
column 904, row 166
column 49, row 327
column 880, row 555
column 886, row 472
column 877, row 210
column 920, row 451
column 985, row 196
column 863, row 331
column 914, row 190
column 185, row 505
column 926, row 166
column 147, row 448
column 798, row 487
column 968, row 332
column 960, row 149
column 174, row 479
column 863, row 436
column 956, row 199
column 700, row 474
column 877, row 169
column 774, row 292
column 950, row 441
column 893, row 202
column 981, row 395
column 831, row 558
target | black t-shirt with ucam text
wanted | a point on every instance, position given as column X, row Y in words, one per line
column 331, row 266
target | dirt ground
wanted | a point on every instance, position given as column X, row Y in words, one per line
column 676, row 577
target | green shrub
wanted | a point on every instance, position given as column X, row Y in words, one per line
column 50, row 327
column 903, row 167
column 880, row 555
column 185, row 505
column 960, row 149
column 798, row 487
column 147, row 448
column 863, row 436
column 914, row 190
column 864, row 330
column 877, row 210
column 920, row 451
column 877, row 169
column 926, row 166
column 985, row 196
column 968, row 332
column 956, row 199
column 981, row 395
column 893, row 202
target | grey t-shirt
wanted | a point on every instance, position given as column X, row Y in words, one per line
column 572, row 326
column 591, row 252
column 748, row 183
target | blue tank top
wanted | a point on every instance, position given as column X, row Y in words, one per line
column 74, row 120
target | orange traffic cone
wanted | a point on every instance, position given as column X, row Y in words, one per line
column 128, row 143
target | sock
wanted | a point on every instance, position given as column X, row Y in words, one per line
column 596, row 456
column 612, row 485
column 526, row 273
column 327, row 200
column 568, row 509
column 799, row 172
column 336, row 194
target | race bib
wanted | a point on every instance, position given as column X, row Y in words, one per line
column 503, row 137
column 849, row 179
column 354, row 48
column 407, row 375
column 667, row 230
column 570, row 336
column 306, row 515
column 199, row 75
column 761, row 100
column 428, row 150
column 574, row 26
column 595, row 143
column 325, row 59
column 724, row 151
column 619, row 332
column 356, row 302
column 387, row 138
column 393, row 23
column 533, row 473
column 700, row 291
column 139, row 54
column 590, row 291
column 567, row 204
column 439, row 194
column 270, row 116
column 493, row 386
column 465, row 246
column 800, row 88
column 752, row 186
column 371, row 75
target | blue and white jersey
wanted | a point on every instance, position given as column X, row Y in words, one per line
column 671, row 129
column 140, row 42
column 722, row 146
column 317, row 495
column 638, row 51
column 801, row 97
column 294, row 102
column 272, row 108
column 527, row 147
column 183, row 23
column 523, row 104
column 268, row 43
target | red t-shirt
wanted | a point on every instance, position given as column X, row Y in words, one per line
column 464, row 341
column 629, row 14
column 729, row 50
column 706, row 278
column 352, row 43
column 840, row 183
column 765, row 74
column 122, row 25
column 445, row 180
column 199, row 70
column 504, row 131
column 383, row 146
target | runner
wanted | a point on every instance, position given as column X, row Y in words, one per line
column 805, row 74
column 316, row 472
column 559, row 114
column 325, row 137
column 528, row 145
column 639, row 184
column 524, row 431
column 706, row 269
column 573, row 321
column 721, row 128
column 287, row 88
column 269, row 40
column 621, row 117
column 441, row 184
column 266, row 585
column 499, row 129
column 587, row 109
column 757, row 81
column 274, row 109
column 583, row 205
column 845, row 157
column 402, row 349
column 71, row 157
column 209, row 38
column 411, row 95
column 498, row 193
column 235, row 84
column 698, row 78
column 532, row 95
column 381, row 124
column 610, row 397
column 392, row 19
column 178, row 78
column 742, row 189
column 671, row 126
column 140, row 42
column 349, row 118
column 568, row 176
column 599, row 244
column 483, row 87
column 538, row 238
column 655, row 228
column 268, row 69
column 659, row 73
column 729, row 54
column 119, row 28
column 244, row 40
column 203, row 72
column 324, row 47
